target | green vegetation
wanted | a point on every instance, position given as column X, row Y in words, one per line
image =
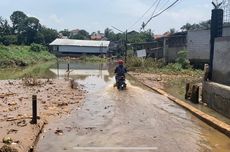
column 181, row 66
column 37, row 70
column 93, row 58
column 133, row 36
column 25, row 30
column 173, row 76
column 13, row 56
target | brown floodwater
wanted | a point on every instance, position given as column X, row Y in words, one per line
column 136, row 119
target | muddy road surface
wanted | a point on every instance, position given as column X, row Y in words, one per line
column 136, row 119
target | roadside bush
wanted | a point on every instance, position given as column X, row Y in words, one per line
column 8, row 39
column 133, row 62
column 182, row 59
column 174, row 67
column 37, row 47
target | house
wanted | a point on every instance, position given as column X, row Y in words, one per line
column 153, row 49
column 170, row 44
column 78, row 47
column 97, row 36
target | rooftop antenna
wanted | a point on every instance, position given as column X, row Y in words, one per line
column 216, row 4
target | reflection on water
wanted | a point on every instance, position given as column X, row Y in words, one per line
column 80, row 70
column 134, row 117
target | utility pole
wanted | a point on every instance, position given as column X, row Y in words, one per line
column 215, row 31
column 126, row 47
column 126, row 41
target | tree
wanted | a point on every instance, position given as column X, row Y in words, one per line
column 17, row 19
column 110, row 35
column 172, row 30
column 48, row 34
column 81, row 35
column 201, row 26
column 186, row 27
column 29, row 31
column 5, row 28
column 65, row 32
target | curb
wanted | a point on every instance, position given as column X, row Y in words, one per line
column 210, row 120
column 41, row 127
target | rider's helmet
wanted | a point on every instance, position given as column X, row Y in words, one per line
column 120, row 62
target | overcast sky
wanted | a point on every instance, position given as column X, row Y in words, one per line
column 94, row 15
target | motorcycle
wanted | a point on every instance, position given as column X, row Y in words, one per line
column 121, row 85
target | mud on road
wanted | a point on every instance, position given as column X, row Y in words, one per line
column 133, row 120
column 55, row 98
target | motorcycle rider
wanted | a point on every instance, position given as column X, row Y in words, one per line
column 120, row 70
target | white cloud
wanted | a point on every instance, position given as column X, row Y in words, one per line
column 55, row 19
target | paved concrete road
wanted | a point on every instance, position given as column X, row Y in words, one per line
column 133, row 120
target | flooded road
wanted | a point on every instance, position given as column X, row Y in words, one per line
column 136, row 119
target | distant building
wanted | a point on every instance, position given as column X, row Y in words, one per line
column 153, row 49
column 97, row 36
column 170, row 44
column 78, row 47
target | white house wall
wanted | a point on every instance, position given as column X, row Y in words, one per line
column 77, row 49
column 199, row 43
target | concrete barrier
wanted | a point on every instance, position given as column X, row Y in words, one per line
column 217, row 97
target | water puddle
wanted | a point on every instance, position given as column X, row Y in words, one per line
column 132, row 120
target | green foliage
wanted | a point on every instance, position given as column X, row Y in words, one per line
column 8, row 39
column 5, row 28
column 152, row 65
column 22, row 56
column 37, row 47
column 48, row 34
column 136, row 37
column 182, row 59
column 201, row 26
column 65, row 32
column 81, row 35
column 25, row 30
column 174, row 67
column 17, row 19
column 36, row 70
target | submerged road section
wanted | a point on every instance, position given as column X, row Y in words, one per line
column 136, row 119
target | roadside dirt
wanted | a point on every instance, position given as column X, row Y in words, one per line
column 173, row 84
column 55, row 99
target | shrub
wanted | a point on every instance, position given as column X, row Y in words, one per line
column 174, row 66
column 8, row 39
column 182, row 59
column 37, row 47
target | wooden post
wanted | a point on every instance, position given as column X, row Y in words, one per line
column 34, row 109
column 195, row 94
column 68, row 67
column 187, row 90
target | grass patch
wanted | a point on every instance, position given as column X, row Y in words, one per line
column 94, row 59
column 18, row 56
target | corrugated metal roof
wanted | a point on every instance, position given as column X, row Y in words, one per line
column 72, row 42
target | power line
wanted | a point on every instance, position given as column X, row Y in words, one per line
column 117, row 29
column 156, row 7
column 163, row 6
column 144, row 24
column 154, row 3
